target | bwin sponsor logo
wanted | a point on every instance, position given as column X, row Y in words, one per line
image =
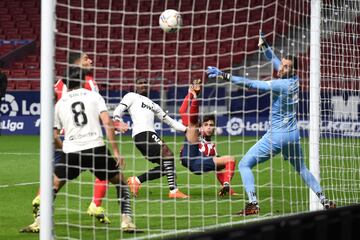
column 143, row 105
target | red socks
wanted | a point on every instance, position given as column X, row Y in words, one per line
column 100, row 188
column 227, row 174
column 194, row 110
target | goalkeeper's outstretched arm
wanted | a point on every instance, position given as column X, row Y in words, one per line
column 268, row 52
column 275, row 86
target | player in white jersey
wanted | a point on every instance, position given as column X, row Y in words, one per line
column 78, row 112
column 100, row 187
column 143, row 111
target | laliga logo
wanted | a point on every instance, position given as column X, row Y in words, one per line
column 9, row 106
column 235, row 126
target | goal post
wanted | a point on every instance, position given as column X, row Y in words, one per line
column 47, row 110
column 314, row 114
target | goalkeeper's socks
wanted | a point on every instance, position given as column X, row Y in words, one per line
column 100, row 188
column 321, row 196
column 229, row 171
column 252, row 197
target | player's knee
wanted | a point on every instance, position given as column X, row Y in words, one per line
column 244, row 163
column 167, row 153
column 231, row 159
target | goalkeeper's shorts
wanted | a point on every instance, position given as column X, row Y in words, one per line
column 194, row 160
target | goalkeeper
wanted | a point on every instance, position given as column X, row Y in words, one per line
column 283, row 135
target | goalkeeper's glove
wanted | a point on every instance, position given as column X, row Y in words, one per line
column 214, row 72
column 262, row 41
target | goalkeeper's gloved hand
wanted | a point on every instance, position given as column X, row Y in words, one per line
column 262, row 41
column 214, row 72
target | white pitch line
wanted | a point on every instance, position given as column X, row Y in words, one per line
column 18, row 184
column 17, row 153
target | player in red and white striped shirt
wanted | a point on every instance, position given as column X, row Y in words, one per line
column 199, row 154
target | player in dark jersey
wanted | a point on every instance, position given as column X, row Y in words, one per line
column 199, row 154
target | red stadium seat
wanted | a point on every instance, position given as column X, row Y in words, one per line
column 23, row 85
column 18, row 73
column 33, row 73
column 35, row 85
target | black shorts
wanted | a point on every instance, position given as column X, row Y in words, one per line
column 97, row 160
column 150, row 145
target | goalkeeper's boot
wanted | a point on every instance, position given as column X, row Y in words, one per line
column 98, row 212
column 225, row 189
column 328, row 204
column 177, row 194
column 250, row 209
column 134, row 185
column 196, row 86
column 127, row 224
column 32, row 228
column 36, row 205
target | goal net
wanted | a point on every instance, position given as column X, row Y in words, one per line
column 125, row 42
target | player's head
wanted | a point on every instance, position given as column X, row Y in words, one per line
column 75, row 77
column 288, row 66
column 208, row 125
column 142, row 86
column 81, row 59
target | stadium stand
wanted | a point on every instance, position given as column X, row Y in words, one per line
column 21, row 20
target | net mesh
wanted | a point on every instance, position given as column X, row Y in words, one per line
column 125, row 42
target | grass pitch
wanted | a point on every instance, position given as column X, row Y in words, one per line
column 280, row 191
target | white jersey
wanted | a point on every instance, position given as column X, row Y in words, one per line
column 142, row 111
column 78, row 113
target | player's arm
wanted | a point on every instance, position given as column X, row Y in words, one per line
column 119, row 111
column 57, row 141
column 275, row 86
column 163, row 116
column 268, row 52
column 57, row 127
column 109, row 129
column 110, row 134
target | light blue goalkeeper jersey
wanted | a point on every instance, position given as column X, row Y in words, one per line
column 284, row 96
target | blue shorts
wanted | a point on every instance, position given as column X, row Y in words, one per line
column 58, row 153
column 57, row 156
column 194, row 160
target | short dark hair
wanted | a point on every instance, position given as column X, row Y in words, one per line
column 139, row 79
column 293, row 59
column 74, row 78
column 208, row 117
column 73, row 57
